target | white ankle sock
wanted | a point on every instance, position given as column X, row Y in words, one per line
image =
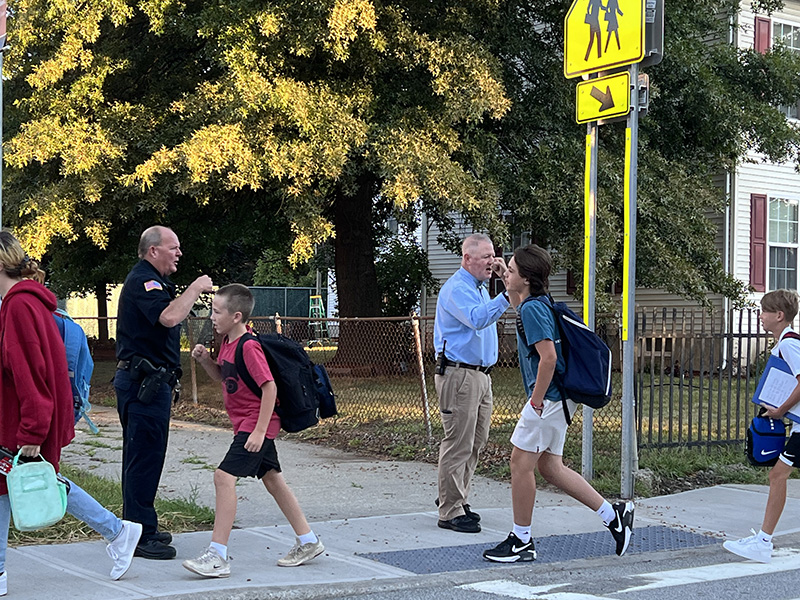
column 523, row 533
column 606, row 512
column 221, row 550
column 308, row 538
column 765, row 538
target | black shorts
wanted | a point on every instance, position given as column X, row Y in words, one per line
column 791, row 452
column 241, row 463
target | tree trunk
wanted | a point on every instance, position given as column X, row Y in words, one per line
column 356, row 278
column 363, row 349
column 101, row 292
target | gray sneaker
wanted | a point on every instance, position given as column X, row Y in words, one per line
column 209, row 564
column 301, row 553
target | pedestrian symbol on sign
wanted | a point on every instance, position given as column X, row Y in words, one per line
column 592, row 19
column 615, row 35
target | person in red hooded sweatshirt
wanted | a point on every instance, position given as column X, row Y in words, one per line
column 36, row 412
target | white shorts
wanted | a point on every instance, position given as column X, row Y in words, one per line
column 545, row 433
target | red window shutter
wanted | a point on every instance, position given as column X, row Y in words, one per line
column 572, row 285
column 761, row 33
column 758, row 242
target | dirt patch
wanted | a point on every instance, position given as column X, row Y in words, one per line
column 199, row 413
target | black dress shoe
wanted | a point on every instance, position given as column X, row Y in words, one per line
column 165, row 537
column 154, row 550
column 472, row 515
column 461, row 524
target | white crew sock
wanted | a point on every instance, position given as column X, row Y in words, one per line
column 764, row 538
column 523, row 533
column 606, row 512
column 308, row 538
column 221, row 550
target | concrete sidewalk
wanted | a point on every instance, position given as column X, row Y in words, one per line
column 376, row 519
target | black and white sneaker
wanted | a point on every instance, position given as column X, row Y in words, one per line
column 511, row 550
column 622, row 525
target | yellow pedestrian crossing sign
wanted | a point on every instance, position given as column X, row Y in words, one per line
column 603, row 98
column 602, row 34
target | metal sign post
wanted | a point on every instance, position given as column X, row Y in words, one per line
column 589, row 278
column 629, row 294
column 601, row 100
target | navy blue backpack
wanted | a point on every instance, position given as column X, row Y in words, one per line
column 587, row 375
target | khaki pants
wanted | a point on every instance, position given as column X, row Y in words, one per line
column 465, row 404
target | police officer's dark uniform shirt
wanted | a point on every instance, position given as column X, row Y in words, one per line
column 144, row 297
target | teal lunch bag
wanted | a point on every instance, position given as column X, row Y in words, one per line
column 38, row 499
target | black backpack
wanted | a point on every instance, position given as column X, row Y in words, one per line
column 304, row 389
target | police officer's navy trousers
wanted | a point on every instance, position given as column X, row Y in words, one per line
column 145, row 429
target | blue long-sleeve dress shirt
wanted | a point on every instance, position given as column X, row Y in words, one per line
column 465, row 317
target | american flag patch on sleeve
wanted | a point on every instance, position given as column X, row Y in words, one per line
column 152, row 285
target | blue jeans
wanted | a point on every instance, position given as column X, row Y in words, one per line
column 80, row 505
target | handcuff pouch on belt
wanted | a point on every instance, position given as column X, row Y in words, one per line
column 152, row 377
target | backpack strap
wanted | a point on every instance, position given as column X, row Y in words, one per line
column 793, row 335
column 548, row 301
column 241, row 367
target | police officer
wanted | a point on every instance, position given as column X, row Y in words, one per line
column 148, row 368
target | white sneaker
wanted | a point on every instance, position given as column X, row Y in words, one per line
column 301, row 553
column 751, row 547
column 4, row 584
column 122, row 547
column 209, row 564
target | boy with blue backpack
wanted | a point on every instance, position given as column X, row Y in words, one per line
column 538, row 438
column 255, row 427
column 778, row 310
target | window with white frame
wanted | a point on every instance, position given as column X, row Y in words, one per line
column 783, row 227
column 787, row 35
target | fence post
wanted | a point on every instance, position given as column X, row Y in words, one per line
column 421, row 365
column 192, row 366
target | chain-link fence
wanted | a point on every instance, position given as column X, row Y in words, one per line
column 382, row 372
column 695, row 375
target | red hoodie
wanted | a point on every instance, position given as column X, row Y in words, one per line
column 35, row 392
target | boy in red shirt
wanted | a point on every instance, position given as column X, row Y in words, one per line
column 255, row 426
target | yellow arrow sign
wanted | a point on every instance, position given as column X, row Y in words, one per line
column 598, row 36
column 603, row 98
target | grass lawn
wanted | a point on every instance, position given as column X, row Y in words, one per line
column 175, row 516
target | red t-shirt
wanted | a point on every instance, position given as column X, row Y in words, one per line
column 243, row 405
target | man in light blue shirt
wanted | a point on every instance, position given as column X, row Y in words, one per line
column 465, row 339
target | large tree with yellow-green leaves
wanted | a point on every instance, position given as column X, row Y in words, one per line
column 259, row 119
